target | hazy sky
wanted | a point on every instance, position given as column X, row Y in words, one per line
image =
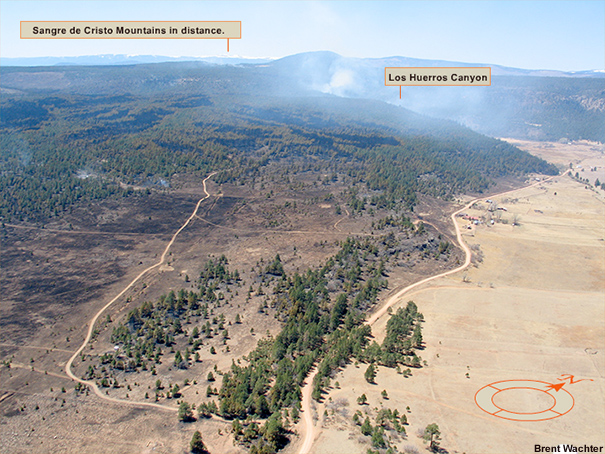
column 563, row 35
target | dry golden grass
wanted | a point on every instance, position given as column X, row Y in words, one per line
column 531, row 309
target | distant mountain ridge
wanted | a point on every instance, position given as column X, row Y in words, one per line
column 124, row 59
column 522, row 104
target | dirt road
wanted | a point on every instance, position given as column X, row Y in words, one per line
column 92, row 322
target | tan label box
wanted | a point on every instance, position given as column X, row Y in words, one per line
column 440, row 76
column 131, row 30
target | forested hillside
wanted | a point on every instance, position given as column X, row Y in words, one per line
column 545, row 108
column 85, row 133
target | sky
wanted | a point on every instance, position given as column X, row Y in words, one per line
column 545, row 34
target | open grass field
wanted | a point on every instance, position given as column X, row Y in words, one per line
column 530, row 308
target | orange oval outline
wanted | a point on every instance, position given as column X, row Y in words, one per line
column 528, row 415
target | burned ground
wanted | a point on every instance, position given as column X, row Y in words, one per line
column 58, row 275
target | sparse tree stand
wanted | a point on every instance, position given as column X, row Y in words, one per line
column 366, row 427
column 432, row 435
column 362, row 400
column 370, row 373
column 197, row 445
column 185, row 413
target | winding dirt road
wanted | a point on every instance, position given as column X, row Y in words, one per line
column 92, row 322
column 308, row 427
column 340, row 220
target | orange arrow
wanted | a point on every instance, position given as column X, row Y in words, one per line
column 556, row 387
